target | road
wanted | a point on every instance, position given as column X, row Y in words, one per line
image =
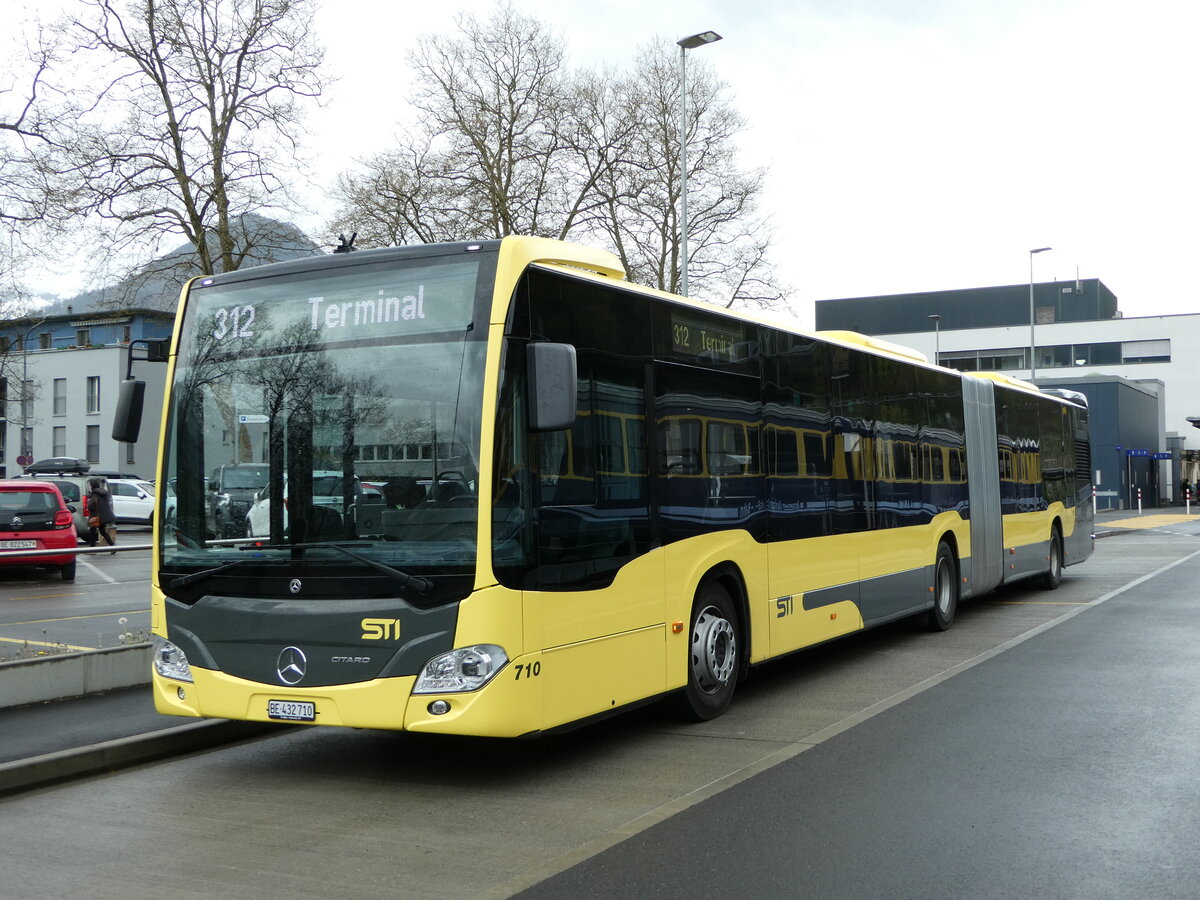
column 39, row 611
column 1044, row 746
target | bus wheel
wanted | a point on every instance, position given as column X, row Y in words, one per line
column 945, row 590
column 1053, row 576
column 713, row 654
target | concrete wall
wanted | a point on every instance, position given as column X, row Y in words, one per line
column 73, row 675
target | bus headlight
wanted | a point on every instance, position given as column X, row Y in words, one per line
column 465, row 669
column 170, row 661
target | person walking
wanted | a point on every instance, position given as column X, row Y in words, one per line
column 100, row 512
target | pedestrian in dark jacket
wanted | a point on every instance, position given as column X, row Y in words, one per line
column 100, row 512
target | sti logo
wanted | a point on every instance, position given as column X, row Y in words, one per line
column 380, row 629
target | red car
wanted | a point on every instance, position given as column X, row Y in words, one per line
column 34, row 516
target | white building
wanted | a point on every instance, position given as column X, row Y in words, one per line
column 73, row 367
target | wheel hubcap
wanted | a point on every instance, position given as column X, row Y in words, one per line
column 943, row 587
column 714, row 650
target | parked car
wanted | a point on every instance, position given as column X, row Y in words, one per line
column 70, row 476
column 230, row 491
column 328, row 494
column 34, row 516
column 132, row 501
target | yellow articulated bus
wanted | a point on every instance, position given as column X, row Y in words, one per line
column 562, row 494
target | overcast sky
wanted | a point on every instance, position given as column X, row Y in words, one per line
column 912, row 144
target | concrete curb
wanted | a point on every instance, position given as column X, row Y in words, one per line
column 63, row 765
column 67, row 675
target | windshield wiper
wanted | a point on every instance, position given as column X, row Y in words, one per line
column 185, row 580
column 418, row 583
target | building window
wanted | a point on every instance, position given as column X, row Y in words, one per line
column 1146, row 351
column 45, row 340
column 60, row 441
column 3, row 400
column 126, row 334
column 60, row 397
column 129, row 448
column 93, row 394
column 3, row 440
column 83, row 337
column 93, row 443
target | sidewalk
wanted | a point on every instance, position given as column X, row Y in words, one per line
column 58, row 740
column 1116, row 521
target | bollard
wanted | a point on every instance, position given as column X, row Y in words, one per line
column 1139, row 501
column 1093, row 503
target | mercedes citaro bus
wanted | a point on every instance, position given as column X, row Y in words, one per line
column 578, row 494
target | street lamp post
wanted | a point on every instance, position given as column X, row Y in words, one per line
column 937, row 339
column 1032, row 317
column 691, row 42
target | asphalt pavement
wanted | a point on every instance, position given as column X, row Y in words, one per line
column 64, row 739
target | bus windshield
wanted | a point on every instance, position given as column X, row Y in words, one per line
column 334, row 406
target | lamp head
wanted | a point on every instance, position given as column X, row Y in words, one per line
column 691, row 42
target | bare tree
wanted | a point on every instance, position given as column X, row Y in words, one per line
column 495, row 150
column 26, row 210
column 729, row 241
column 188, row 122
column 508, row 141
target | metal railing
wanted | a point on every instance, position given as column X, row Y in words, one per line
column 74, row 551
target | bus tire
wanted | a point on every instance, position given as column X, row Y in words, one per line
column 1053, row 576
column 945, row 590
column 714, row 654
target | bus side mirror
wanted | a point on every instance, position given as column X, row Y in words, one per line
column 127, row 421
column 552, row 386
column 157, row 351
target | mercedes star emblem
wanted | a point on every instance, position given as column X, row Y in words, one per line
column 291, row 665
column 295, row 586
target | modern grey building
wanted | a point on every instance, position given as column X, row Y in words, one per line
column 61, row 378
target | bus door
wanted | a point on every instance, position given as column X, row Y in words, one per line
column 709, row 455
